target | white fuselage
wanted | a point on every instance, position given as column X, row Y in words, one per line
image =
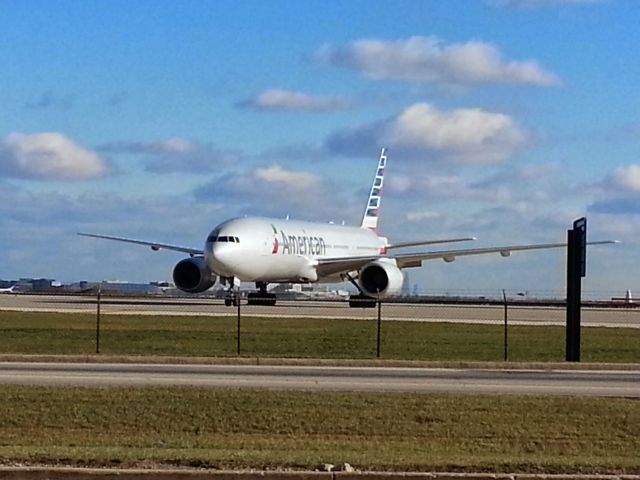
column 255, row 249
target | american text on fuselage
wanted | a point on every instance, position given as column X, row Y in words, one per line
column 301, row 245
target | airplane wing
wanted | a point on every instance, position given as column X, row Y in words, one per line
column 428, row 242
column 415, row 259
column 331, row 266
column 154, row 245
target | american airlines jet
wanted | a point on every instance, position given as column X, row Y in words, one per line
column 11, row 289
column 272, row 250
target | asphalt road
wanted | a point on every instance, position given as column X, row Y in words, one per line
column 367, row 379
column 477, row 314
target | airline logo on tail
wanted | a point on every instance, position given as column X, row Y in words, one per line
column 372, row 210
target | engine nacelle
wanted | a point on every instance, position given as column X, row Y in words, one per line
column 381, row 277
column 193, row 275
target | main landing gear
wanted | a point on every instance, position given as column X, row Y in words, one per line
column 261, row 297
column 362, row 300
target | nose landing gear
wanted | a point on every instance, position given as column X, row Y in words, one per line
column 231, row 296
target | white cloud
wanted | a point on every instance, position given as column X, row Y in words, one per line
column 279, row 177
column 619, row 192
column 262, row 184
column 430, row 60
column 437, row 185
column 421, row 216
column 276, row 191
column 626, row 179
column 48, row 156
column 175, row 155
column 469, row 135
column 173, row 146
column 426, row 133
column 277, row 99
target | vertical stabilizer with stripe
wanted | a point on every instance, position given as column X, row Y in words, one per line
column 372, row 210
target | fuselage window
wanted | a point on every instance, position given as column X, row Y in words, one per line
column 378, row 182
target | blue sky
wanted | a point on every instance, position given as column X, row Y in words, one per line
column 504, row 119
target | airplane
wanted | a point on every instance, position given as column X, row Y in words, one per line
column 11, row 289
column 272, row 250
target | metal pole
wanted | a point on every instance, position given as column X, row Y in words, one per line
column 98, row 319
column 573, row 298
column 576, row 269
column 379, row 327
column 238, row 332
column 506, row 333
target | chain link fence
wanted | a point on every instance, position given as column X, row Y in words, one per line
column 505, row 327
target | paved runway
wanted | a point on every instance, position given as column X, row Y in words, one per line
column 476, row 314
column 366, row 379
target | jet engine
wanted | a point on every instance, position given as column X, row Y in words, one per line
column 381, row 277
column 193, row 275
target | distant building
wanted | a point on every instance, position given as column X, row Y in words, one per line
column 125, row 287
column 41, row 284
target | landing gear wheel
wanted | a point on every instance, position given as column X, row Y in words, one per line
column 260, row 298
column 362, row 301
column 231, row 299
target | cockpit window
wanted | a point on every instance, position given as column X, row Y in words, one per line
column 222, row 238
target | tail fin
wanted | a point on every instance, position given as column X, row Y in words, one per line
column 372, row 210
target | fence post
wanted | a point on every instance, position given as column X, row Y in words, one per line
column 238, row 330
column 98, row 319
column 379, row 327
column 506, row 331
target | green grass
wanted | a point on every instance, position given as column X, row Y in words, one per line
column 58, row 333
column 266, row 429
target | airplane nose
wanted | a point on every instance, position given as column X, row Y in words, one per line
column 224, row 259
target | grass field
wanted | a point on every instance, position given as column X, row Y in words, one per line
column 62, row 333
column 266, row 429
